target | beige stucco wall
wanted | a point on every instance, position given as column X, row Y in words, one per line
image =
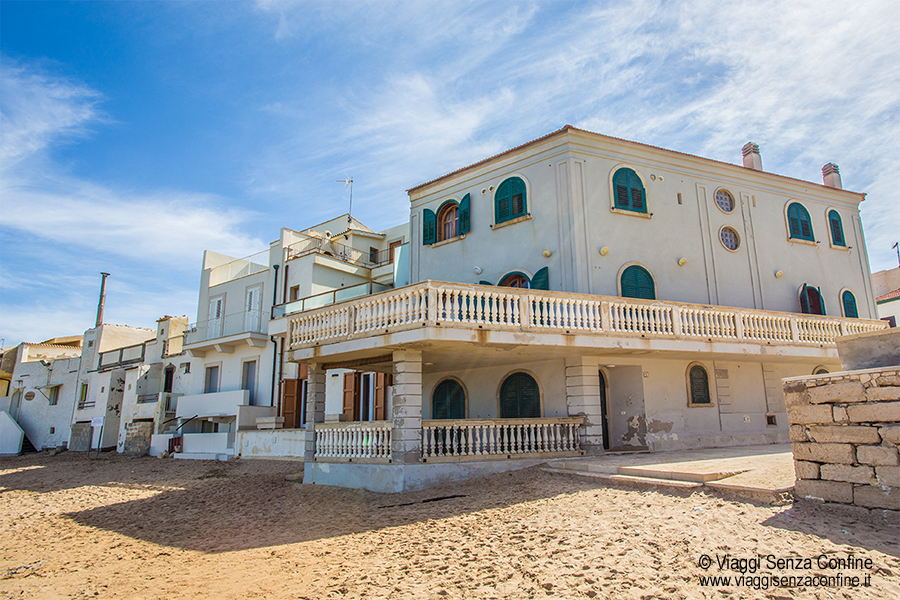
column 568, row 184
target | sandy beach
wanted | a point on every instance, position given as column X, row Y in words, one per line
column 119, row 527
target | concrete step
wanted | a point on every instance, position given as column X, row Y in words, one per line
column 658, row 473
column 638, row 481
column 203, row 456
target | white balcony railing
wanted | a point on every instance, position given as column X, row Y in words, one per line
column 453, row 438
column 123, row 356
column 251, row 321
column 356, row 440
column 478, row 306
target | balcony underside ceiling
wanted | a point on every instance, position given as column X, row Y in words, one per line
column 450, row 348
column 227, row 344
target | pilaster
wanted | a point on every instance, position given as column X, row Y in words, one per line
column 583, row 396
column 406, row 408
column 315, row 408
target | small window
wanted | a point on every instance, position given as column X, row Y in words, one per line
column 698, row 386
column 811, row 300
column 448, row 401
column 53, row 430
column 211, row 383
column 373, row 255
column 848, row 300
column 520, row 397
column 516, row 280
column 837, row 229
column 248, row 380
column 448, row 222
column 730, row 238
column 771, row 421
column 820, row 371
column 53, row 395
column 511, row 200
column 629, row 191
column 725, row 201
column 294, row 293
column 799, row 222
column 187, row 367
column 637, row 282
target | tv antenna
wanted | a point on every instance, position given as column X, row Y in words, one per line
column 348, row 183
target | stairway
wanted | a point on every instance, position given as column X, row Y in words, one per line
column 27, row 446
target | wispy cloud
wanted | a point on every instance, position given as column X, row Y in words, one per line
column 60, row 230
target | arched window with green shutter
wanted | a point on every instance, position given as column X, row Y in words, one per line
column 465, row 218
column 799, row 222
column 629, row 191
column 837, row 228
column 849, row 302
column 511, row 200
column 698, row 385
column 448, row 401
column 520, row 397
column 429, row 226
column 638, row 283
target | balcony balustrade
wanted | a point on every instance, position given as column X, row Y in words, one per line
column 122, row 356
column 364, row 441
column 486, row 307
column 469, row 439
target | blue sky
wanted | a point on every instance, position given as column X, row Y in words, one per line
column 137, row 134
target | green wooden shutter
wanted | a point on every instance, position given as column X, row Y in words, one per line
column 464, row 219
column 837, row 229
column 517, row 193
column 429, row 227
column 699, row 385
column 804, row 300
column 799, row 222
column 520, row 397
column 541, row 279
column 637, row 283
column 449, row 401
column 850, row 305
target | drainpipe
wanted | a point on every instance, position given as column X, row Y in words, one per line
column 274, row 361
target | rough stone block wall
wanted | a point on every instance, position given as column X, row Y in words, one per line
column 80, row 440
column 137, row 437
column 845, row 431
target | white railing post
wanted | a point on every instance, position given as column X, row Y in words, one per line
column 795, row 330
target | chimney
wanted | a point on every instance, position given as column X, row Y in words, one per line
column 831, row 176
column 752, row 159
column 102, row 300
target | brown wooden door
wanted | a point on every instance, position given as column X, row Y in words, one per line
column 382, row 381
column 290, row 403
column 351, row 396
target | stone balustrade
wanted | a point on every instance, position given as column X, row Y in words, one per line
column 500, row 308
column 447, row 440
column 845, row 429
column 365, row 441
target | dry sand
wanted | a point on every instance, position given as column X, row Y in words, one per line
column 118, row 527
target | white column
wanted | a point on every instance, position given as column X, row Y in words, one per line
column 315, row 408
column 583, row 400
column 406, row 408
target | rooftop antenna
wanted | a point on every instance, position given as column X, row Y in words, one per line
column 348, row 183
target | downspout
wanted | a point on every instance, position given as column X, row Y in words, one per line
column 274, row 339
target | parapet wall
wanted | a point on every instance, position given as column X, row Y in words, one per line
column 845, row 429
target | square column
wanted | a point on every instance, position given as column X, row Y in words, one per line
column 583, row 400
column 315, row 408
column 406, row 408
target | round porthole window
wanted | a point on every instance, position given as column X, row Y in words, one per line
column 725, row 201
column 730, row 238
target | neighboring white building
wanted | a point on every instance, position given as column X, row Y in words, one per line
column 887, row 295
column 43, row 391
column 600, row 295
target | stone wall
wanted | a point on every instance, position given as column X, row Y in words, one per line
column 845, row 429
column 137, row 437
column 80, row 440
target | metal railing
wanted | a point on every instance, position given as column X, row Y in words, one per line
column 362, row 258
column 327, row 298
column 452, row 438
column 477, row 306
column 250, row 321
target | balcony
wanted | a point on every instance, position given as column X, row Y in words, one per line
column 122, row 357
column 328, row 298
column 436, row 313
column 242, row 267
column 216, row 404
column 225, row 333
column 367, row 259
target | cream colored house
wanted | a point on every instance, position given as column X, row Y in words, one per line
column 580, row 294
column 887, row 295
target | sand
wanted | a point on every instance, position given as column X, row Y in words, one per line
column 119, row 527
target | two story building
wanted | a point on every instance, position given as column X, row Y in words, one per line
column 582, row 293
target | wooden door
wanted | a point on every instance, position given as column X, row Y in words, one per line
column 351, row 396
column 382, row 382
column 290, row 403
